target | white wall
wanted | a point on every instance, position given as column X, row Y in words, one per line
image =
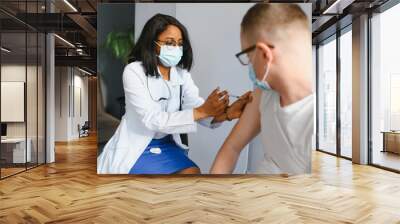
column 33, row 125
column 17, row 73
column 144, row 11
column 61, row 103
column 69, row 82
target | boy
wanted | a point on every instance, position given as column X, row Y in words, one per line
column 276, row 43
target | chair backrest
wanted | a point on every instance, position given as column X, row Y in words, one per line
column 86, row 125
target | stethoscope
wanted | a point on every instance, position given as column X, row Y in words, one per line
column 161, row 98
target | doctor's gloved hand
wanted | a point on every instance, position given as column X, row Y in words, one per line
column 215, row 104
column 235, row 110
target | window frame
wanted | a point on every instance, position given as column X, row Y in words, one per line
column 334, row 37
column 381, row 9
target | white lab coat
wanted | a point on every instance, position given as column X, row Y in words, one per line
column 144, row 117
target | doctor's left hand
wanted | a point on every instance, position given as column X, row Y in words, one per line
column 235, row 110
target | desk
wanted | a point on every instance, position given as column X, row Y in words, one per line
column 13, row 150
column 391, row 141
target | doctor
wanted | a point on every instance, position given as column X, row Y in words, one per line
column 162, row 101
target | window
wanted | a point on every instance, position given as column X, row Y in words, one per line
column 385, row 89
column 22, row 78
column 346, row 93
column 394, row 101
column 327, row 96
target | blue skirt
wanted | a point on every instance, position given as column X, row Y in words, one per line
column 162, row 156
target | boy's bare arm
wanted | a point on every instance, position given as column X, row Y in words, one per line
column 245, row 129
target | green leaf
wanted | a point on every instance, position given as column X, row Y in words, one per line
column 120, row 44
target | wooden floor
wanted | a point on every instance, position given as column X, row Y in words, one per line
column 70, row 191
column 5, row 172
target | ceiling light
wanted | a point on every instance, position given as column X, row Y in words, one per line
column 338, row 6
column 5, row 50
column 64, row 40
column 79, row 51
column 331, row 7
column 70, row 5
column 84, row 71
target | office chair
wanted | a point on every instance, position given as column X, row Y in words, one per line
column 84, row 130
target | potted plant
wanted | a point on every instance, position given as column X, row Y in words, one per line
column 121, row 44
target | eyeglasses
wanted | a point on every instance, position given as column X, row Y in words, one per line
column 171, row 43
column 243, row 56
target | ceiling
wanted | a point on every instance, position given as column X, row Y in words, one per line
column 76, row 22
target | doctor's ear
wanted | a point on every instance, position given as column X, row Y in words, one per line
column 265, row 51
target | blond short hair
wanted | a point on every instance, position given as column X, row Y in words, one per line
column 273, row 17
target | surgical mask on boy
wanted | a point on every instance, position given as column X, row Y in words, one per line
column 170, row 55
column 262, row 84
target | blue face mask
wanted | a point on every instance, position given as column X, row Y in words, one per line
column 257, row 83
column 170, row 55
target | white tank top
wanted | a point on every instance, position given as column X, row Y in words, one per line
column 286, row 134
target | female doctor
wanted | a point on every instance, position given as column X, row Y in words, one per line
column 162, row 101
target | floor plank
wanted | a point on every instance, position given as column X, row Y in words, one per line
column 70, row 191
